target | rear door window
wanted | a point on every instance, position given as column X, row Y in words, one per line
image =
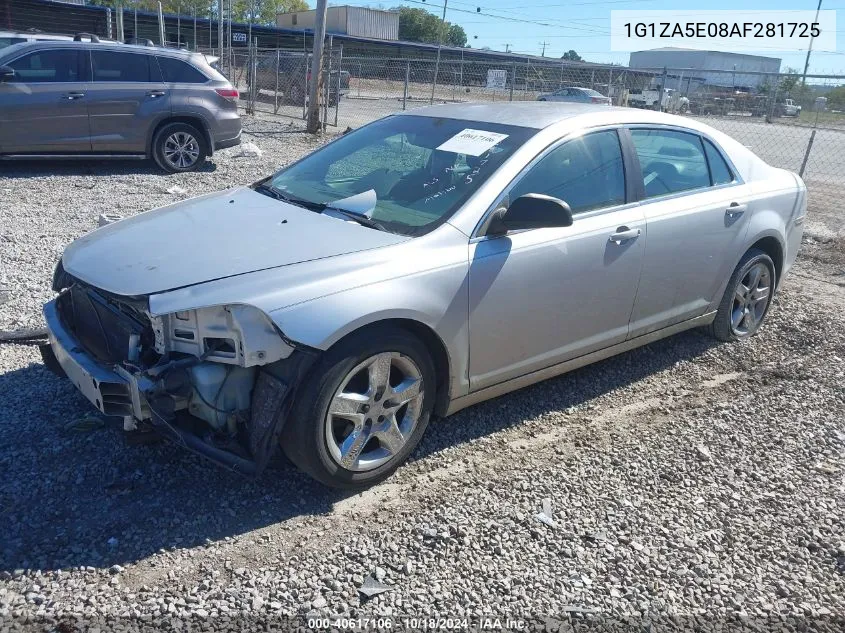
column 720, row 173
column 671, row 161
column 123, row 67
column 180, row 72
column 50, row 66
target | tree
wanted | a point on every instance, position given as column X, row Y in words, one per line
column 456, row 36
column 836, row 98
column 264, row 11
column 571, row 56
column 261, row 12
column 418, row 25
column 788, row 82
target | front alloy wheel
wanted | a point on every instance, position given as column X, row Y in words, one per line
column 362, row 409
column 374, row 411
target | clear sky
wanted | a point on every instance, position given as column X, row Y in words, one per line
column 584, row 25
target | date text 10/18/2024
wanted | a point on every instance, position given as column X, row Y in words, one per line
column 483, row 623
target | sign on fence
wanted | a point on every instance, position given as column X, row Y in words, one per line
column 497, row 79
column 238, row 38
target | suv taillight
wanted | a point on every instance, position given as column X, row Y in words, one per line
column 228, row 93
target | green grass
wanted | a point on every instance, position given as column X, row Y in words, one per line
column 824, row 118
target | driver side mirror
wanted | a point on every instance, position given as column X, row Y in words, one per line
column 530, row 211
column 6, row 73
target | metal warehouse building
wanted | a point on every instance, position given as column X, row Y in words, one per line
column 736, row 67
column 346, row 20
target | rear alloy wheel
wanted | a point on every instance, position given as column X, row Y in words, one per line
column 179, row 147
column 363, row 409
column 747, row 298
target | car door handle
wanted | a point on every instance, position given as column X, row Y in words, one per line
column 623, row 234
column 735, row 210
column 155, row 93
column 70, row 96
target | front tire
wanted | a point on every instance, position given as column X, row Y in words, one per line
column 363, row 410
column 747, row 298
column 179, row 147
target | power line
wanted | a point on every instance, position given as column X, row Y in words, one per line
column 515, row 19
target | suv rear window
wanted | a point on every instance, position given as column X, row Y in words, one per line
column 177, row 71
column 112, row 66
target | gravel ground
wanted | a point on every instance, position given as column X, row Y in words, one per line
column 690, row 480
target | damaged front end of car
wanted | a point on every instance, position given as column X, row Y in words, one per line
column 219, row 381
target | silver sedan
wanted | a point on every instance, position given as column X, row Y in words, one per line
column 575, row 94
column 416, row 266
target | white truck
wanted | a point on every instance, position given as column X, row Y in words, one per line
column 649, row 97
column 790, row 108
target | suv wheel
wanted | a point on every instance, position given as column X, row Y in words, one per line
column 363, row 410
column 179, row 147
column 747, row 298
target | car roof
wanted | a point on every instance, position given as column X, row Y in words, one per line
column 542, row 114
column 109, row 46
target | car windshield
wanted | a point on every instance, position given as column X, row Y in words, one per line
column 410, row 173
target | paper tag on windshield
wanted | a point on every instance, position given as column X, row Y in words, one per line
column 472, row 142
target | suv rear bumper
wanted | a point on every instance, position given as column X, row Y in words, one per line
column 228, row 142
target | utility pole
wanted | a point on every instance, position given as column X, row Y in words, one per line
column 810, row 48
column 544, row 44
column 313, row 116
column 507, row 48
column 119, row 13
column 219, row 28
column 162, row 41
column 439, row 46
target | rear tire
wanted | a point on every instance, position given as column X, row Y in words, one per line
column 747, row 298
column 363, row 409
column 179, row 148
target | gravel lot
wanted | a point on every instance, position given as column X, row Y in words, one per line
column 686, row 479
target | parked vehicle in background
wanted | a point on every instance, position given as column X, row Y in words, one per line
column 789, row 108
column 576, row 94
column 288, row 74
column 649, row 98
column 413, row 267
column 74, row 99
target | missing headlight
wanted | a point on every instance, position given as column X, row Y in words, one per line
column 224, row 347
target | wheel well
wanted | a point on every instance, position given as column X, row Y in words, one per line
column 195, row 121
column 772, row 248
column 436, row 348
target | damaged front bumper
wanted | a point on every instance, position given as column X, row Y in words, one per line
column 121, row 390
column 107, row 390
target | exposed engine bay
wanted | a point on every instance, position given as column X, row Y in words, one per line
column 217, row 380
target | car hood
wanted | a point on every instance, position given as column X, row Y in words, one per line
column 214, row 236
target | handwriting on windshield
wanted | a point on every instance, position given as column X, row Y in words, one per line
column 440, row 193
column 451, row 171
